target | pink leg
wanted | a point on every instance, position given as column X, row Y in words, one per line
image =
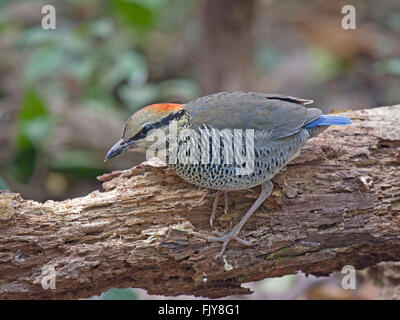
column 233, row 234
column 226, row 201
column 215, row 205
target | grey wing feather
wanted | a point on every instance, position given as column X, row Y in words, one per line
column 281, row 115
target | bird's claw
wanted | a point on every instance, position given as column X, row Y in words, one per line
column 225, row 239
column 212, row 218
column 240, row 240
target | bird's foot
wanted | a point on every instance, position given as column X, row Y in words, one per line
column 225, row 239
column 210, row 194
column 266, row 189
column 207, row 195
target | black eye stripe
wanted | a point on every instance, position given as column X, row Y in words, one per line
column 142, row 133
column 167, row 119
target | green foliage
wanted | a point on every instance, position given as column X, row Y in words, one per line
column 130, row 66
column 393, row 21
column 119, row 294
column 136, row 97
column 326, row 65
column 79, row 163
column 168, row 90
column 34, row 121
column 36, row 36
column 267, row 57
column 388, row 66
column 4, row 2
column 34, row 129
column 43, row 62
column 186, row 89
column 97, row 58
column 3, row 185
column 138, row 14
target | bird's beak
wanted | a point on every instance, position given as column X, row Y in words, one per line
column 116, row 149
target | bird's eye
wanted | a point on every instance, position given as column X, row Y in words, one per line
column 147, row 127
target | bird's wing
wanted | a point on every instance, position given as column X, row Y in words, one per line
column 281, row 115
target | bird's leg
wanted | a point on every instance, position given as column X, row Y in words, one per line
column 215, row 205
column 233, row 234
column 226, row 202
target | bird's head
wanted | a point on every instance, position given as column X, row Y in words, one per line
column 155, row 116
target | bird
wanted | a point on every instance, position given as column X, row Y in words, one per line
column 278, row 126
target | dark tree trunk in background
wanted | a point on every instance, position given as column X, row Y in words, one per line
column 225, row 51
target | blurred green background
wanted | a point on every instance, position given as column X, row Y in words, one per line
column 66, row 93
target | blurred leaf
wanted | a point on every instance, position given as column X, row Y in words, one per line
column 4, row 2
column 98, row 99
column 278, row 285
column 102, row 28
column 37, row 130
column 390, row 66
column 174, row 14
column 24, row 163
column 325, row 65
column 80, row 162
column 130, row 66
column 175, row 90
column 43, row 62
column 179, row 89
column 393, row 21
column 136, row 98
column 32, row 106
column 119, row 294
column 36, row 36
column 65, row 40
column 154, row 4
column 134, row 12
column 83, row 69
column 34, row 121
column 3, row 185
column 73, row 43
column 267, row 57
column 34, row 128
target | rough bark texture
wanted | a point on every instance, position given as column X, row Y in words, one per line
column 337, row 204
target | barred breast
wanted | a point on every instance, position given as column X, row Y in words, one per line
column 269, row 157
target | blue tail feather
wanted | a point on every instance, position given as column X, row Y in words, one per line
column 327, row 120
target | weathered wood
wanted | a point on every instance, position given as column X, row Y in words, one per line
column 337, row 204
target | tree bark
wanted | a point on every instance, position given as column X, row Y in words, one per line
column 337, row 204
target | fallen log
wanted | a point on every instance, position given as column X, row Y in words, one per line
column 337, row 204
